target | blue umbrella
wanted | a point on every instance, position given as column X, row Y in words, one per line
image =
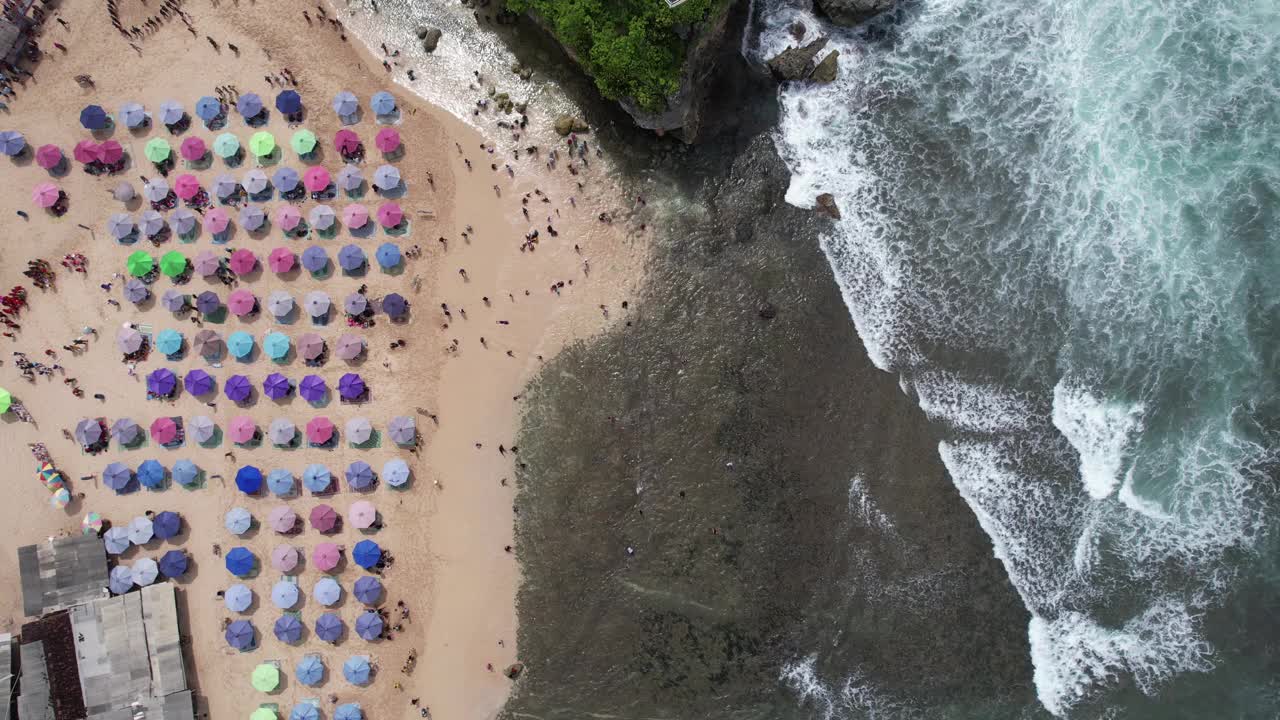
column 12, row 142
column 284, row 594
column 132, row 115
column 240, row 344
column 359, row 475
column 368, row 590
column 171, row 113
column 351, row 257
column 280, row 481
column 117, row 476
column 366, row 554
column 239, row 635
column 169, row 341
column 304, row 711
column 208, row 108
column 345, row 103
column 198, row 382
column 388, row 255
column 121, row 580
column 327, row 591
column 356, row 670
column 382, row 103
column 238, row 521
column 314, row 259
column 173, row 564
column 349, row 711
column 249, row 479
column 369, row 625
column 93, row 117
column 240, row 562
column 238, row 598
column 329, row 627
column 208, row 302
column 116, row 540
column 394, row 305
column 288, row 629
column 310, row 670
column 276, row 345
column 396, row 472
column 285, row 179
column 237, row 388
column 316, row 478
column 249, row 105
column 184, row 472
column 166, row 524
column 288, row 102
column 151, row 474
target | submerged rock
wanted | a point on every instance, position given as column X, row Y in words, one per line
column 826, row 205
column 826, row 70
column 430, row 39
column 852, row 12
column 795, row 63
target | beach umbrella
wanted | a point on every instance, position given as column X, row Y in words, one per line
column 151, row 472
column 145, row 571
column 123, row 192
column 356, row 670
column 279, row 303
column 155, row 189
column 238, row 521
column 135, row 291
column 208, row 108
column 285, row 557
column 139, row 263
column 390, row 215
column 350, row 178
column 252, row 218
column 225, row 186
column 163, row 429
column 355, row 216
column 157, row 150
column 362, row 514
column 265, row 678
column 395, row 472
column 403, row 430
column 242, row 261
column 314, row 259
column 285, row 179
column 241, row 302
column 193, row 148
column 316, row 179
column 382, row 103
column 237, row 598
column 319, row 430
column 281, row 432
column 121, row 580
column 249, row 479
column 284, row 595
column 316, row 478
column 216, row 221
column 151, row 223
column 184, row 472
column 173, row 564
column 387, row 140
column 162, row 382
column 351, row 258
column 198, row 382
column 226, row 145
column 239, row 634
column 91, row 524
column 288, row 217
column 276, row 345
column 326, row 591
column 355, row 303
column 169, row 341
column 316, row 303
column 388, row 255
column 288, row 629
column 6, row 400
column 348, row 711
column 93, row 117
column 358, row 429
column 289, row 102
column 359, row 475
column 310, row 670
column 186, row 186
column 48, row 156
column 125, row 431
column 349, row 346
column 173, row 263
column 110, row 152
column 276, row 386
column 280, row 481
column 240, row 562
column 369, row 625
column 346, row 141
column 303, row 141
column 167, row 524
column 129, row 340
column 117, row 476
column 368, row 590
column 208, row 302
column 322, row 217
column 171, row 113
column 351, row 385
column 12, row 143
column 201, row 429
column 345, row 103
column 281, row 260
column 282, row 519
column 325, row 557
column 329, row 626
column 172, row 300
column 141, row 530
column 249, row 105
column 132, row 115
column 116, row 540
column 88, row 432
column 182, row 222
column 262, row 143
column 237, row 388
column 45, row 195
column 120, row 225
column 255, row 181
column 85, row 151
column 242, row 429
column 386, row 177
column 240, row 344
column 49, row 476
column 323, row 518
column 208, row 343
column 366, row 554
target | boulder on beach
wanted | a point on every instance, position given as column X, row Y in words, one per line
column 853, row 12
column 430, row 39
column 826, row 205
column 826, row 70
column 566, row 124
column 795, row 63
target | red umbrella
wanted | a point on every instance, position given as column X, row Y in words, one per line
column 48, row 156
column 281, row 260
column 346, row 141
column 316, row 179
column 193, row 148
column 186, row 186
column 390, row 215
column 45, row 195
column 387, row 140
column 164, row 430
column 110, row 152
column 85, row 151
column 243, row 262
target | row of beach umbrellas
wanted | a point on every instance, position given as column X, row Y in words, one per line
column 243, row 261
column 142, row 530
column 326, row 556
column 261, row 144
column 357, row 670
column 164, row 382
column 240, row 344
column 359, row 474
column 241, row 634
column 257, row 184
column 152, row 474
column 249, row 105
column 145, row 571
column 216, row 221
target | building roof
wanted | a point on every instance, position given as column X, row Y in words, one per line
column 34, row 702
column 62, row 572
column 48, row 660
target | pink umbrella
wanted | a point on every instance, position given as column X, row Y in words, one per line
column 316, row 179
column 206, row 263
column 390, row 215
column 186, row 186
column 319, row 430
column 216, row 220
column 110, row 152
column 285, row 557
column 45, row 195
column 85, row 151
column 355, row 215
column 243, row 261
column 282, row 519
column 325, row 557
column 48, row 156
column 164, row 430
column 346, row 141
column 193, row 148
column 387, row 140
column 242, row 429
column 323, row 518
column 288, row 217
column 241, row 302
column 281, row 260
column 362, row 514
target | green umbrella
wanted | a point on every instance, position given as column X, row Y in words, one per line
column 263, row 713
column 139, row 263
column 226, row 145
column 157, row 150
column 262, row 143
column 5, row 400
column 172, row 263
column 303, row 142
column 265, row 678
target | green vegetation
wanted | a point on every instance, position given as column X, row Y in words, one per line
column 630, row 47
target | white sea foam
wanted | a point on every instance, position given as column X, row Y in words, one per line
column 1100, row 430
column 969, row 406
column 864, row 507
column 854, row 698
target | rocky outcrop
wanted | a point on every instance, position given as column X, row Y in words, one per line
column 430, row 38
column 826, row 205
column 853, row 12
column 566, row 124
column 796, row 63
column 826, row 70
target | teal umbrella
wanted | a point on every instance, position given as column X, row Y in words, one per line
column 240, row 344
column 168, row 341
column 276, row 345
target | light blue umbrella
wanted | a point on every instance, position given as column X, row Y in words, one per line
column 382, row 103
column 12, row 142
column 285, row 179
column 141, row 530
column 310, row 670
column 208, row 108
column 121, row 580
column 240, row 344
column 116, row 540
column 280, row 481
column 120, row 226
column 327, row 591
column 304, row 711
column 284, row 595
column 396, row 472
column 238, row 521
column 275, row 345
column 316, row 478
column 184, row 472
column 132, row 115
column 151, row 474
column 345, row 103
column 171, row 113
column 388, row 255
column 356, row 669
column 169, row 341
column 349, row 711
column 237, row 598
column 145, row 571
column 350, row 178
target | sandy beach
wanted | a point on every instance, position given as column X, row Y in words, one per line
column 449, row 530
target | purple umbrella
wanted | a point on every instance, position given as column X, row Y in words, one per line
column 351, row 386
column 369, row 625
column 329, row 627
column 314, row 259
column 368, row 590
column 208, row 302
column 276, row 386
column 288, row 629
column 312, row 388
column 163, row 382
column 239, row 635
column 237, row 388
column 395, row 306
column 198, row 382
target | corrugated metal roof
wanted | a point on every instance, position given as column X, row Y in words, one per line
column 62, row 572
column 34, row 703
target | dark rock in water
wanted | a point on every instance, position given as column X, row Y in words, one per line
column 798, row 30
column 430, row 39
column 852, row 12
column 422, row 31
column 795, row 63
column 566, row 124
column 827, row 206
column 826, row 70
column 513, row 670
column 768, row 311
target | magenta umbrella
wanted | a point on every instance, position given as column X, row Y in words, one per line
column 355, row 215
column 216, row 220
column 387, row 140
column 325, row 557
column 243, row 262
column 316, row 179
column 242, row 429
column 186, row 186
column 205, row 263
column 323, row 518
column 164, row 430
column 284, row 558
column 319, row 430
column 281, row 260
column 390, row 215
column 282, row 519
column 241, row 302
column 48, row 156
column 288, row 217
column 45, row 195
column 193, row 148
